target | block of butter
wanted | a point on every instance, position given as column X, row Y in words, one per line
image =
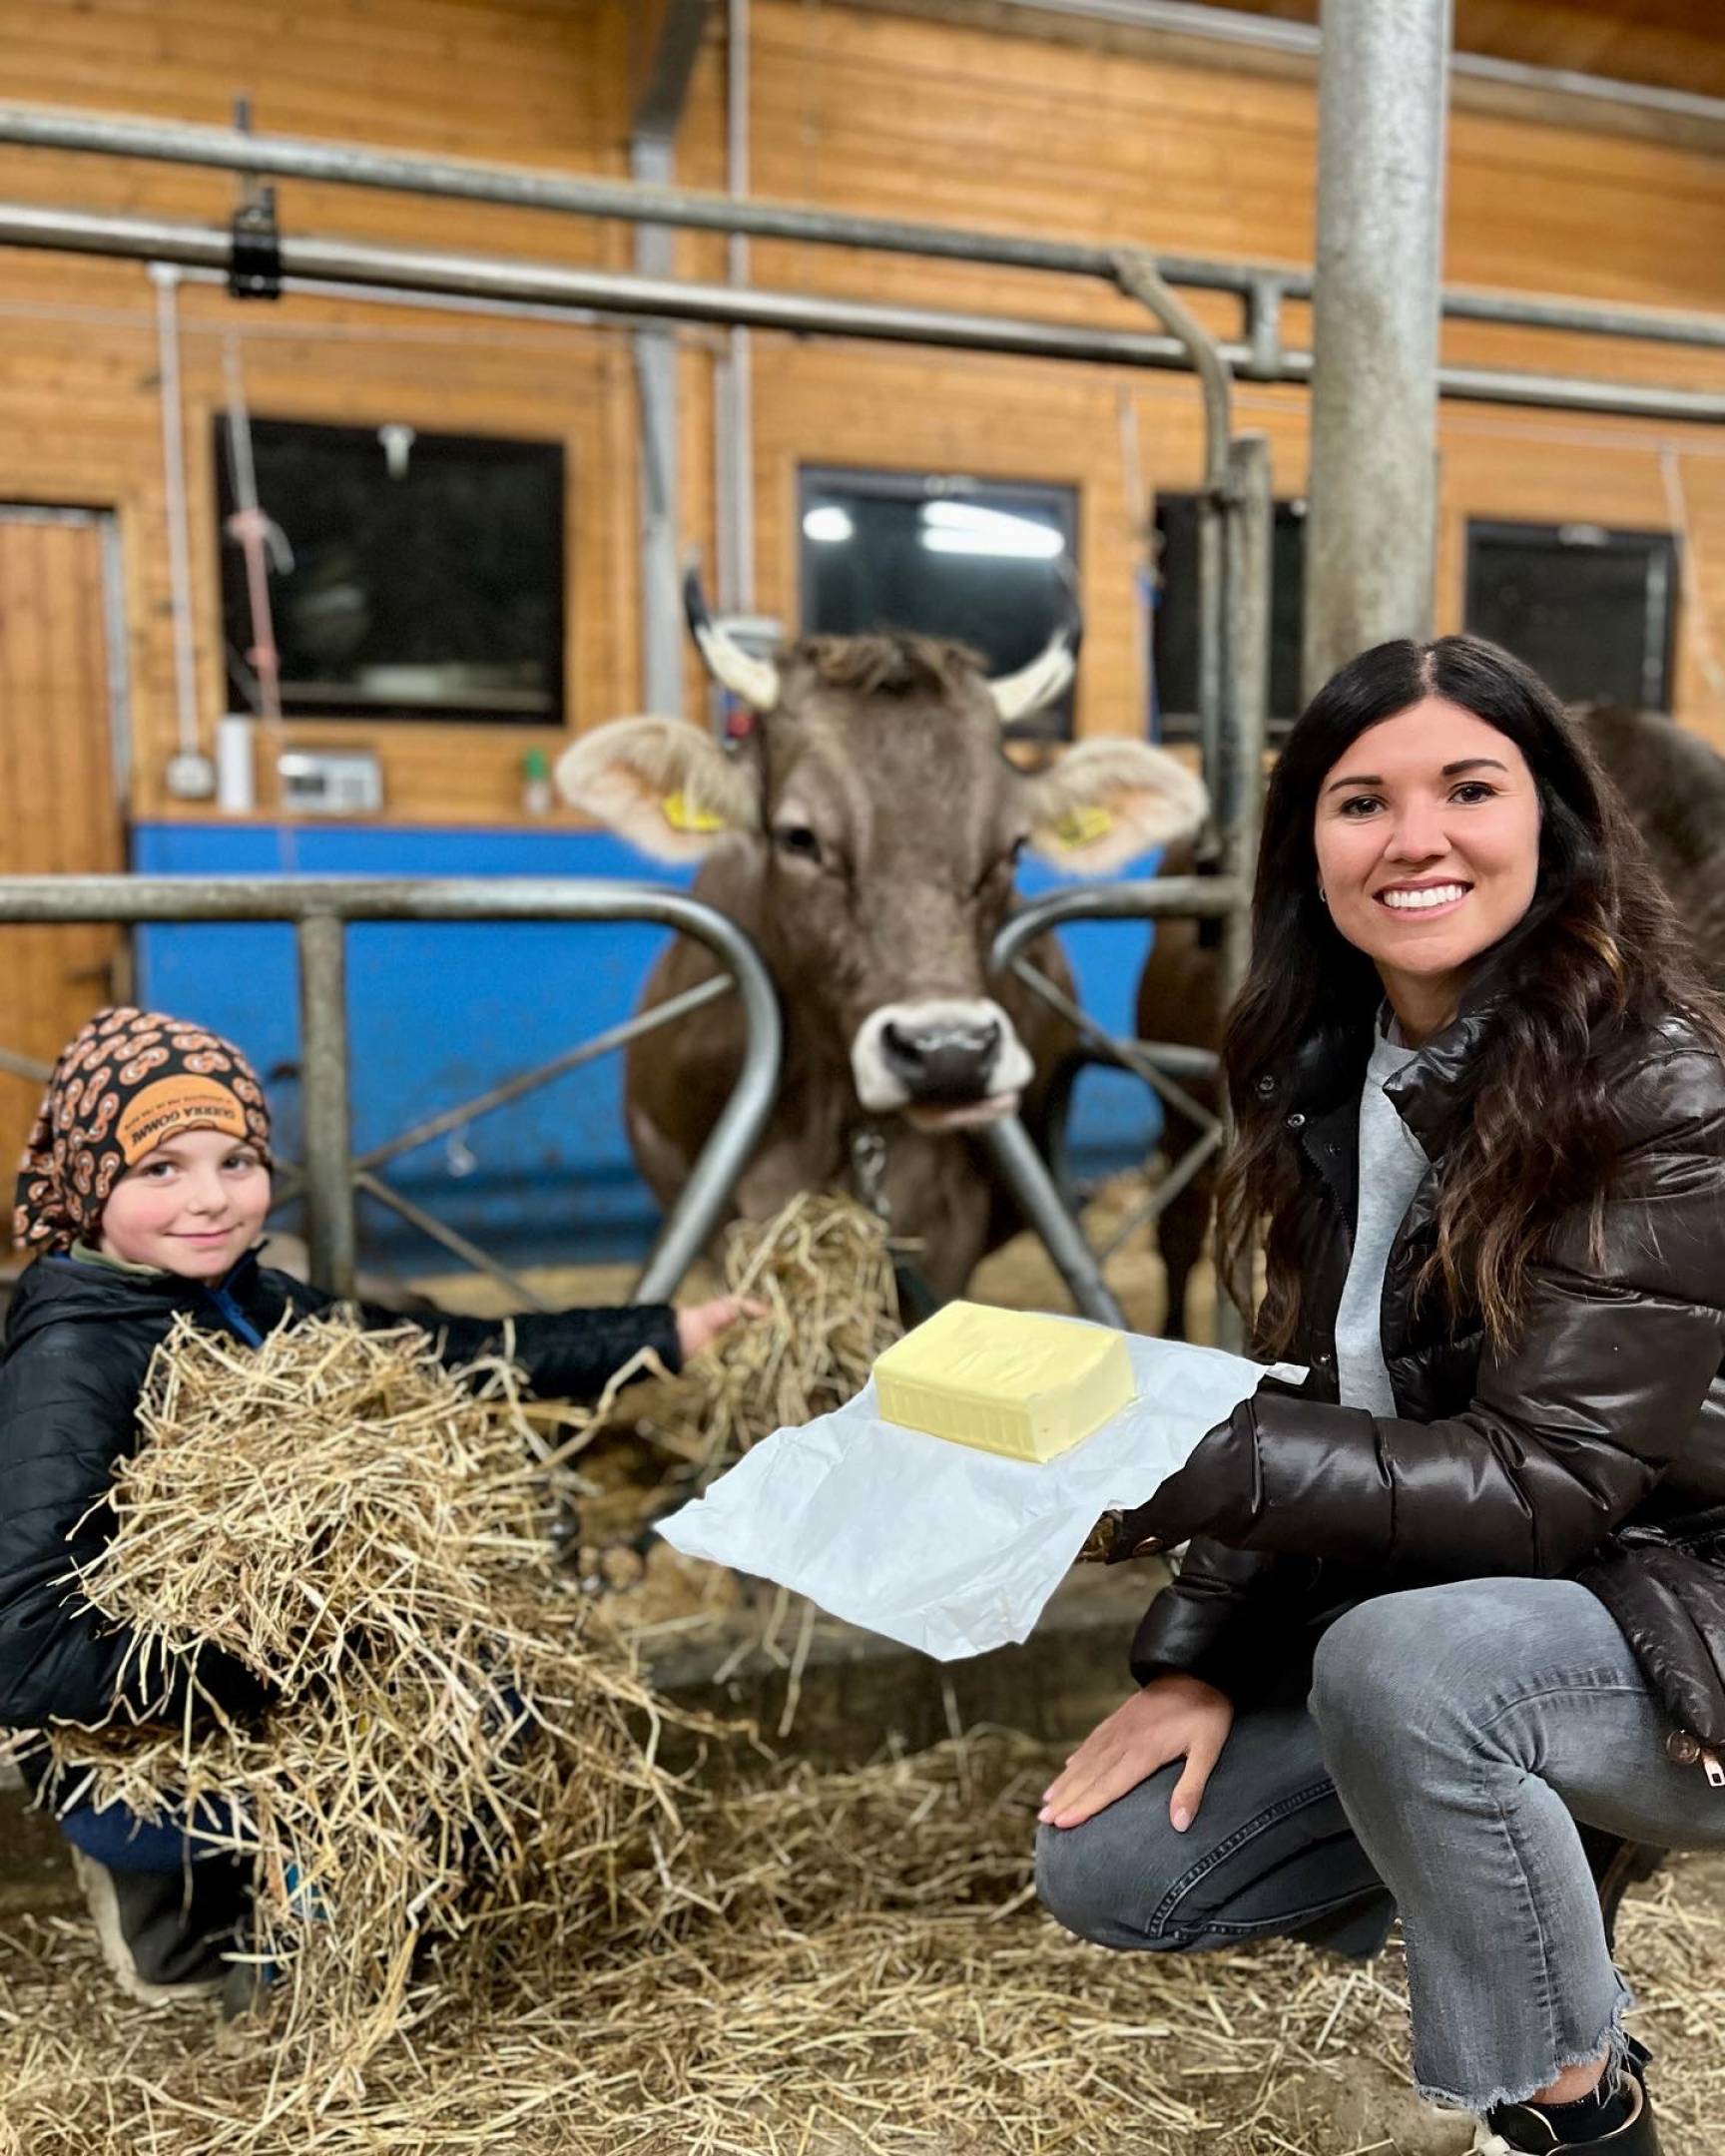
column 1008, row 1382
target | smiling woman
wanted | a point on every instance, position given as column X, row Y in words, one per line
column 1461, row 1594
column 1428, row 857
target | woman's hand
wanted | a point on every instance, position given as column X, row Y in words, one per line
column 1174, row 1717
column 700, row 1325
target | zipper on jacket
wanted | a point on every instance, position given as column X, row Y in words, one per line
column 233, row 1316
column 1710, row 1766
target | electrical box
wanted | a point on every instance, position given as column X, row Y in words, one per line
column 330, row 782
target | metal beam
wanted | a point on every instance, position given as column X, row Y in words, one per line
column 1371, row 531
column 329, row 264
column 652, row 159
column 223, row 149
column 665, row 91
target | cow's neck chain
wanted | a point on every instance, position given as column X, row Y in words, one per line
column 868, row 1172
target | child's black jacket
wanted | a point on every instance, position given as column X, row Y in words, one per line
column 79, row 1338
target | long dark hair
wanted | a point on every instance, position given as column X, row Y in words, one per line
column 1597, row 955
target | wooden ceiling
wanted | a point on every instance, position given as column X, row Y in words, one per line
column 1677, row 44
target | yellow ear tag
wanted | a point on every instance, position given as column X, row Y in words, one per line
column 1082, row 827
column 682, row 814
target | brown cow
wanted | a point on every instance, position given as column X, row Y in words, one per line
column 864, row 832
column 1674, row 785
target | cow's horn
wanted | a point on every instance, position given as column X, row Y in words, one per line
column 754, row 680
column 1036, row 686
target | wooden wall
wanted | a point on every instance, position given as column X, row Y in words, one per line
column 848, row 108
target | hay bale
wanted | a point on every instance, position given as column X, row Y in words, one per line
column 450, row 1759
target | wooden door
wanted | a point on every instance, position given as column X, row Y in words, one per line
column 59, row 794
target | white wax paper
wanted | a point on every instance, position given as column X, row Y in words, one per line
column 937, row 1545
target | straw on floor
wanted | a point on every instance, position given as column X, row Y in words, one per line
column 507, row 1928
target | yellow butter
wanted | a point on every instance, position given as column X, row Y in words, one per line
column 1006, row 1382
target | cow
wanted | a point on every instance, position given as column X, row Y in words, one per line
column 864, row 831
column 1675, row 787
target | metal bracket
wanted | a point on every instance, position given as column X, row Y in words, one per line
column 254, row 263
column 255, row 239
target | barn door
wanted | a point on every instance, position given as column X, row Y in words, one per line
column 60, row 729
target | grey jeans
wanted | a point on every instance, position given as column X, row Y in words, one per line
column 1452, row 1739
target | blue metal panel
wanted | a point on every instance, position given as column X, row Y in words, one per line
column 439, row 1012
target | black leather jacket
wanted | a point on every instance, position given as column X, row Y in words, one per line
column 78, row 1337
column 1593, row 1448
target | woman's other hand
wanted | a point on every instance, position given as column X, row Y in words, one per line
column 1174, row 1717
column 699, row 1326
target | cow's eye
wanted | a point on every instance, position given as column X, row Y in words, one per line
column 799, row 839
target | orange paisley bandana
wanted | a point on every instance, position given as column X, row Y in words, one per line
column 131, row 1080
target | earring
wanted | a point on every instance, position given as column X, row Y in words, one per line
column 1323, row 895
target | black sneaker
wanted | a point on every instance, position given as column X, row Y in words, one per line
column 1524, row 2130
column 166, row 1935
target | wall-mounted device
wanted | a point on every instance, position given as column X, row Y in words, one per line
column 330, row 782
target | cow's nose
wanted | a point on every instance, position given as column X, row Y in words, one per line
column 941, row 1061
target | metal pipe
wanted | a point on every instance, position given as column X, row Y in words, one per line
column 606, row 293
column 171, row 407
column 1371, row 530
column 445, row 1237
column 329, row 1233
column 1197, row 20
column 658, row 490
column 223, row 148
column 544, row 1074
column 1250, row 522
column 1137, row 275
column 737, row 379
column 1026, row 1176
column 1148, row 898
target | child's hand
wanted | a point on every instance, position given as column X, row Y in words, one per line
column 700, row 1326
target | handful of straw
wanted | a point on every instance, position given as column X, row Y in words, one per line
column 449, row 1767
column 823, row 1269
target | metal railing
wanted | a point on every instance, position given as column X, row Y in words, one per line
column 320, row 910
column 1167, row 1068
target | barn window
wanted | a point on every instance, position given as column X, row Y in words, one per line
column 1591, row 610
column 979, row 560
column 421, row 576
column 1174, row 616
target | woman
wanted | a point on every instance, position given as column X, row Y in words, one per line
column 1452, row 1602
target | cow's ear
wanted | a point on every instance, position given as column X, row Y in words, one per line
column 1106, row 802
column 662, row 784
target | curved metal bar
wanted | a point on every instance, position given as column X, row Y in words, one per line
column 1146, row 898
column 1149, row 898
column 317, row 899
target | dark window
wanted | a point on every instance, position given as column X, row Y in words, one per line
column 426, row 578
column 1174, row 636
column 982, row 563
column 1589, row 609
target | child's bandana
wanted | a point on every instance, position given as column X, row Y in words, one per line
column 130, row 1081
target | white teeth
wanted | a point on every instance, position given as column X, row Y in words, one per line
column 1415, row 901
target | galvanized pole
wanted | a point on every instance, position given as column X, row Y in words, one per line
column 330, row 1229
column 1371, row 538
column 1251, row 513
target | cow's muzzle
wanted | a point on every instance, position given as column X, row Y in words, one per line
column 947, row 1062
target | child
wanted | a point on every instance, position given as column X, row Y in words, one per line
column 144, row 1192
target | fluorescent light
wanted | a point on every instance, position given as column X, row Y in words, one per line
column 829, row 525
column 951, row 527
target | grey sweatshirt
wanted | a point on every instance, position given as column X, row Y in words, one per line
column 1392, row 1162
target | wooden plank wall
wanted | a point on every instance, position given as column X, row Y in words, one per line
column 870, row 112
